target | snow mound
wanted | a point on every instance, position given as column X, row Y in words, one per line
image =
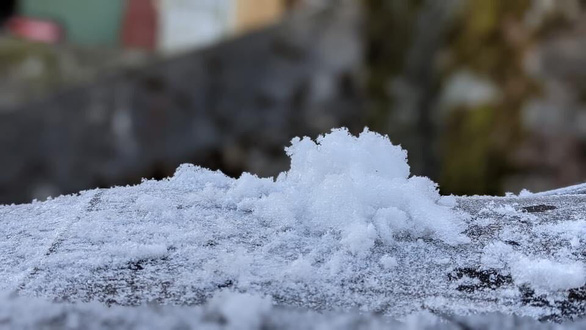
column 343, row 196
column 357, row 187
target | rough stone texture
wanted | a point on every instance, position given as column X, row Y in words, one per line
column 232, row 106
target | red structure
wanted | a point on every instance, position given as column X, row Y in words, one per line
column 140, row 25
column 35, row 29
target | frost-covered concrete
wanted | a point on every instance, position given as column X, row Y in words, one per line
column 344, row 229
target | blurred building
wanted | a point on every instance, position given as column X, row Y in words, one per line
column 50, row 45
column 76, row 117
column 162, row 25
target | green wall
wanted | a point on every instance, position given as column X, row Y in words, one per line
column 88, row 22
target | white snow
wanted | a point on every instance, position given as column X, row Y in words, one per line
column 347, row 193
column 541, row 274
column 356, row 186
column 547, row 275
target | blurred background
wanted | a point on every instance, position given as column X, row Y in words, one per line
column 487, row 96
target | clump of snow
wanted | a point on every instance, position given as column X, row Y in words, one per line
column 525, row 193
column 548, row 275
column 543, row 275
column 342, row 196
column 572, row 231
column 358, row 187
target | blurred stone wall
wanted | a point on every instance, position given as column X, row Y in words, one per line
column 30, row 70
column 232, row 106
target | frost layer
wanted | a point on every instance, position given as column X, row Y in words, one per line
column 355, row 187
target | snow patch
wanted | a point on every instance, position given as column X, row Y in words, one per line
column 547, row 275
column 543, row 275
